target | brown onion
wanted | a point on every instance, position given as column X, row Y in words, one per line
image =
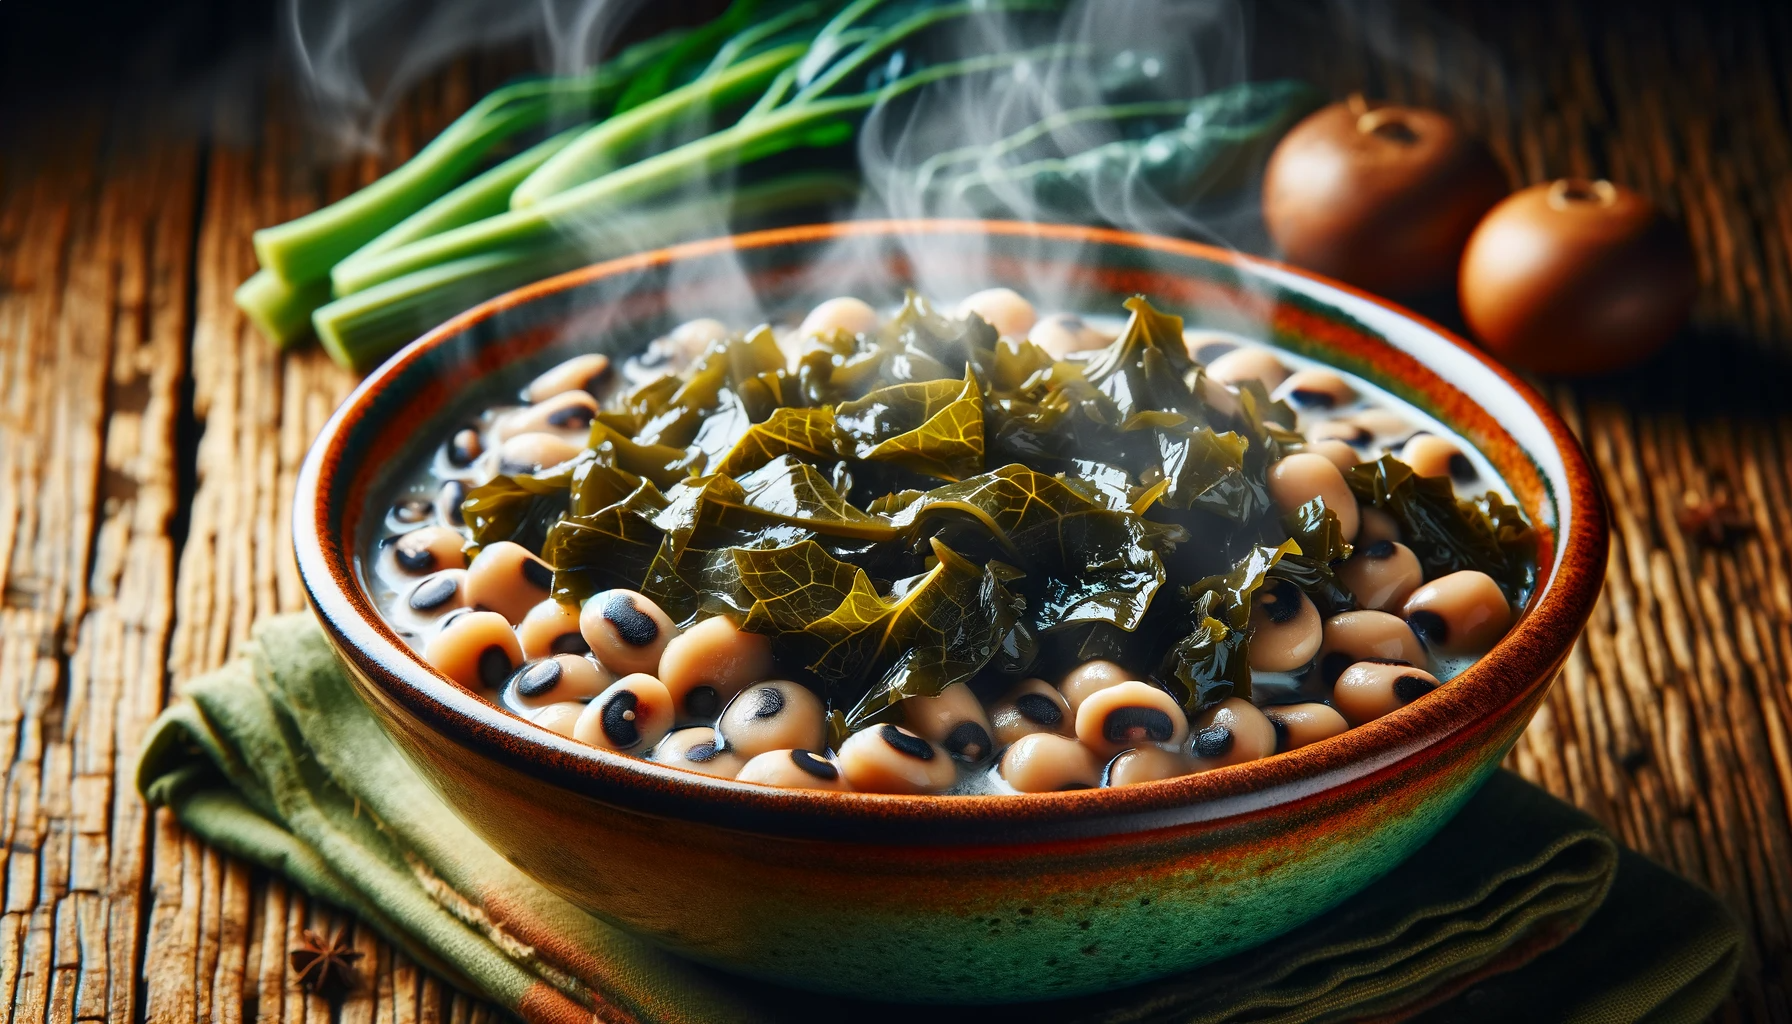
column 1383, row 198
column 1576, row 277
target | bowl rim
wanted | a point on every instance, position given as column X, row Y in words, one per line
column 1523, row 662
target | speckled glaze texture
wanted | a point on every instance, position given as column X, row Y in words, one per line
column 990, row 899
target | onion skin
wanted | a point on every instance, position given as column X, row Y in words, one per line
column 1576, row 277
column 1381, row 198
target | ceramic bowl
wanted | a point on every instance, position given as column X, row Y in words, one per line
column 977, row 898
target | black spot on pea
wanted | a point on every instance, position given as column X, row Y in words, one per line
column 1430, row 626
column 1283, row 601
column 1125, row 723
column 618, row 719
column 1410, row 688
column 701, row 752
column 571, row 416
column 1359, row 436
column 1213, row 741
column 1039, row 709
column 813, row 765
column 702, row 702
column 539, row 678
column 413, row 557
column 1379, row 549
column 1461, row 469
column 448, row 503
column 771, row 702
column 1281, row 729
column 1308, row 398
column 464, row 447
column 570, row 643
column 432, row 593
column 904, row 743
column 537, row 573
column 1072, row 786
column 494, row 665
column 1333, row 665
column 968, row 741
column 634, row 626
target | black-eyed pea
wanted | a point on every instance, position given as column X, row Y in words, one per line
column 410, row 511
column 1337, row 452
column 698, row 749
column 551, row 628
column 954, row 719
column 1002, row 308
column 678, row 348
column 1249, row 362
column 506, row 578
column 580, row 373
column 1030, row 706
column 1303, row 476
column 429, row 549
column 1285, row 627
column 1366, row 635
column 793, row 769
column 535, row 451
column 1045, row 762
column 556, row 680
column 1231, row 732
column 1297, row 725
column 477, row 650
column 436, row 596
column 631, row 714
column 558, row 718
column 1368, row 690
column 627, row 631
column 1088, row 678
column 1347, row 431
column 1385, row 425
column 845, row 313
column 1206, row 346
column 1430, row 455
column 1375, row 525
column 464, row 447
column 1462, row 613
column 773, row 715
column 1146, row 764
column 448, row 502
column 706, row 665
column 1317, row 390
column 1381, row 574
column 1127, row 715
column 1062, row 334
column 567, row 415
column 890, row 759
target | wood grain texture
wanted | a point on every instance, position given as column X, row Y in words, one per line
column 148, row 442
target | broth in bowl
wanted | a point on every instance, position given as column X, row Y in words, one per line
column 978, row 551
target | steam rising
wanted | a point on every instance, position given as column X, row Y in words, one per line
column 357, row 58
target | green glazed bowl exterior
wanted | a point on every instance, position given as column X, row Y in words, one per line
column 960, row 899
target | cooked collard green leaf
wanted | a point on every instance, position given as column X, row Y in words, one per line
column 934, row 428
column 1446, row 534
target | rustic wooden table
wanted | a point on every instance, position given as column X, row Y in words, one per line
column 148, row 442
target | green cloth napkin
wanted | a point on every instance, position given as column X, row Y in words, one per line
column 274, row 758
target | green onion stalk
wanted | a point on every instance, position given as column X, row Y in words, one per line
column 357, row 331
column 297, row 256
column 810, row 119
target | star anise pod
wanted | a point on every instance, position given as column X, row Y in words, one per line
column 1715, row 521
column 325, row 966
